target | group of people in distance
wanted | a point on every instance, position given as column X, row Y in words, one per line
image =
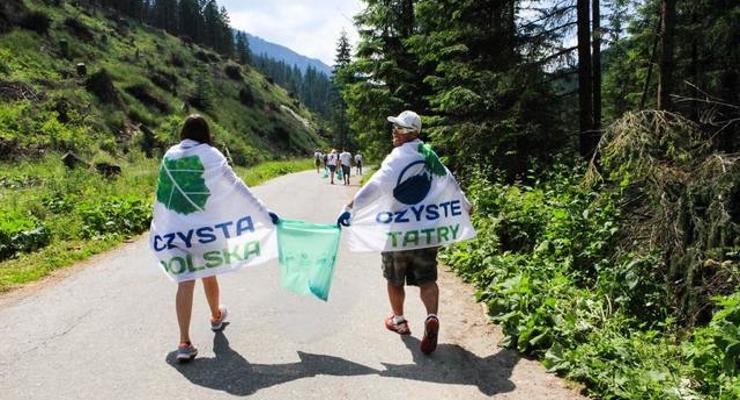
column 332, row 159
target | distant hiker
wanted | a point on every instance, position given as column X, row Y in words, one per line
column 195, row 212
column 346, row 158
column 318, row 157
column 410, row 207
column 331, row 162
column 358, row 163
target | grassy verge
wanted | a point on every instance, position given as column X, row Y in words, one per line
column 367, row 173
column 52, row 217
column 267, row 170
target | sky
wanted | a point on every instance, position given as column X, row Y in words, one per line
column 309, row 27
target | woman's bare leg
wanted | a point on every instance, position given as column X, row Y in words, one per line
column 184, row 308
column 210, row 286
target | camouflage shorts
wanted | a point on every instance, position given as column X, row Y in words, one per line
column 413, row 267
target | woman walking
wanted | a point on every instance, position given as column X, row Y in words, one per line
column 184, row 164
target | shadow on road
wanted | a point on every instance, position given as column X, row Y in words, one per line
column 452, row 364
column 228, row 371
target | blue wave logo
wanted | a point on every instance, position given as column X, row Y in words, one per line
column 415, row 188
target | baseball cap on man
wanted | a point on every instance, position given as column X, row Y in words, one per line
column 407, row 119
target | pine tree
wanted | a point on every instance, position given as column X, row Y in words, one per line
column 165, row 15
column 389, row 79
column 190, row 19
column 343, row 56
column 341, row 79
column 225, row 43
column 211, row 24
column 243, row 54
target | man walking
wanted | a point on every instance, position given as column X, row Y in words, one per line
column 345, row 157
column 358, row 163
column 412, row 188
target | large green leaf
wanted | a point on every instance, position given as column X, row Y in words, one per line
column 181, row 187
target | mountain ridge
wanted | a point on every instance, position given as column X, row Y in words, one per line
column 263, row 47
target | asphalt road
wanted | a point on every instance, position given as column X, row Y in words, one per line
column 106, row 329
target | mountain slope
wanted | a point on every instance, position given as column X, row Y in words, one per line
column 86, row 80
column 259, row 46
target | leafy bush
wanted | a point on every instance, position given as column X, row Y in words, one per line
column 25, row 129
column 20, row 233
column 115, row 216
column 556, row 263
column 714, row 351
column 36, row 21
column 234, row 72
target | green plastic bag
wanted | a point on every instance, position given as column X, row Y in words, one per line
column 326, row 173
column 307, row 254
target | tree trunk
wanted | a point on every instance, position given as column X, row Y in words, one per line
column 585, row 93
column 596, row 12
column 407, row 16
column 667, row 28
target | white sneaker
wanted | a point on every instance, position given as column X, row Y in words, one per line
column 218, row 324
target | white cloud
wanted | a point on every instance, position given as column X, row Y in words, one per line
column 311, row 28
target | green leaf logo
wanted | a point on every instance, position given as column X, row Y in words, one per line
column 431, row 159
column 181, row 187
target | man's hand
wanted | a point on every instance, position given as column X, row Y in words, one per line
column 344, row 217
column 273, row 216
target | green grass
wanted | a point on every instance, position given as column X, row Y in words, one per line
column 137, row 56
column 267, row 170
column 83, row 213
column 367, row 173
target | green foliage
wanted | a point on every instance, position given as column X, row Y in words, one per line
column 560, row 266
column 681, row 194
column 460, row 65
column 705, row 70
column 714, row 351
column 116, row 106
column 26, row 130
column 114, row 216
column 20, row 233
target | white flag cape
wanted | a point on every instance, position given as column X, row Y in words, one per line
column 206, row 221
column 411, row 202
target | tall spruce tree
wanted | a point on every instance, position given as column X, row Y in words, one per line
column 165, row 15
column 341, row 79
column 225, row 43
column 388, row 78
column 190, row 19
column 243, row 53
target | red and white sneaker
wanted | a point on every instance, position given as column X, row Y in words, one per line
column 186, row 352
column 401, row 328
column 431, row 330
column 218, row 324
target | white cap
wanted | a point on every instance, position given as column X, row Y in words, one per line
column 407, row 119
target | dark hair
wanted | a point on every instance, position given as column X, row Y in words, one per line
column 196, row 128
